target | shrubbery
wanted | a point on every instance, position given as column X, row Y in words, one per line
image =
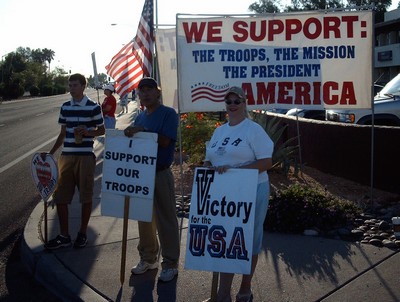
column 13, row 90
column 34, row 91
column 196, row 129
column 299, row 207
column 47, row 90
column 59, row 89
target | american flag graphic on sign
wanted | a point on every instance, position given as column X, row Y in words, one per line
column 208, row 91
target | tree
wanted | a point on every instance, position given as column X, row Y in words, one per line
column 264, row 6
column 25, row 52
column 37, row 56
column 380, row 7
column 48, row 55
column 102, row 77
column 268, row 6
column 33, row 74
column 25, row 68
column 302, row 5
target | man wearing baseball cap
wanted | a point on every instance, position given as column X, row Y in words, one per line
column 162, row 120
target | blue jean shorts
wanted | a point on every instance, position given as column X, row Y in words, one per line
column 109, row 122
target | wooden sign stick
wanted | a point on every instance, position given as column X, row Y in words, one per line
column 124, row 240
column 214, row 287
column 45, row 221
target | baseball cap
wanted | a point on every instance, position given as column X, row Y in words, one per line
column 150, row 82
column 236, row 90
column 109, row 87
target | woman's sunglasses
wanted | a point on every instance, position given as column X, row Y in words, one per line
column 236, row 102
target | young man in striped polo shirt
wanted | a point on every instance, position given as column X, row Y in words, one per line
column 77, row 162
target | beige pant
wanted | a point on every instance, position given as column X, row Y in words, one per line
column 75, row 171
column 164, row 221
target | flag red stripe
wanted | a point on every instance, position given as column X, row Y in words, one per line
column 135, row 59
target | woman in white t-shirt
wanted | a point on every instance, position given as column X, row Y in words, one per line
column 242, row 143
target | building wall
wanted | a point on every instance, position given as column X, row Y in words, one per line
column 387, row 47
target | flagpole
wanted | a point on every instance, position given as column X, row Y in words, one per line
column 156, row 14
column 154, row 71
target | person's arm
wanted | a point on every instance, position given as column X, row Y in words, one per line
column 96, row 132
column 163, row 141
column 261, row 165
column 132, row 130
column 58, row 143
column 60, row 139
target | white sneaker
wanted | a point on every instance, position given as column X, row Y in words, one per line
column 168, row 274
column 143, row 267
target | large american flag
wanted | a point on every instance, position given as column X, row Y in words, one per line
column 134, row 60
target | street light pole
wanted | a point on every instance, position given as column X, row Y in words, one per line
column 2, row 68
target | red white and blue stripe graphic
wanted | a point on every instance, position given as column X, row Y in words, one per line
column 208, row 91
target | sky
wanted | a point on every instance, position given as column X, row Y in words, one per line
column 74, row 29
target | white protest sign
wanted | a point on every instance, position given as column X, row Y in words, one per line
column 295, row 60
column 129, row 170
column 44, row 174
column 221, row 221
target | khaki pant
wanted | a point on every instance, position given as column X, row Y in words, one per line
column 75, row 171
column 164, row 221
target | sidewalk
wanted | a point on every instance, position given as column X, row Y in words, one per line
column 290, row 268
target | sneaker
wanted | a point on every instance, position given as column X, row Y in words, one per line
column 143, row 267
column 80, row 241
column 168, row 274
column 59, row 241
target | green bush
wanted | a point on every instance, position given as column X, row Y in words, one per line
column 299, row 207
column 13, row 90
column 285, row 152
column 196, row 129
column 47, row 90
column 34, row 91
column 59, row 89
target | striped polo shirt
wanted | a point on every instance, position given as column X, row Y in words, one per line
column 72, row 114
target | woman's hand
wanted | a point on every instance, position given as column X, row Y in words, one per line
column 220, row 169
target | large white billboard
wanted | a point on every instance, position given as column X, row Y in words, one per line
column 308, row 60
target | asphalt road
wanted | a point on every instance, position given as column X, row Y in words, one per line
column 26, row 127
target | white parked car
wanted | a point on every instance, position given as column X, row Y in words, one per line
column 386, row 108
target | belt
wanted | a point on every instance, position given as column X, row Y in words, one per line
column 161, row 168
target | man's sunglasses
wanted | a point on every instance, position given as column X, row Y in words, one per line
column 236, row 102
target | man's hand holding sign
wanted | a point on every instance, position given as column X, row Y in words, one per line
column 141, row 170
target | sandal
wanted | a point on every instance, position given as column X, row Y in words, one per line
column 244, row 297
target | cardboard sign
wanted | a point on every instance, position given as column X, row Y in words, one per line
column 221, row 221
column 129, row 169
column 44, row 174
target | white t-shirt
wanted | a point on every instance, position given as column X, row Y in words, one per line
column 239, row 145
